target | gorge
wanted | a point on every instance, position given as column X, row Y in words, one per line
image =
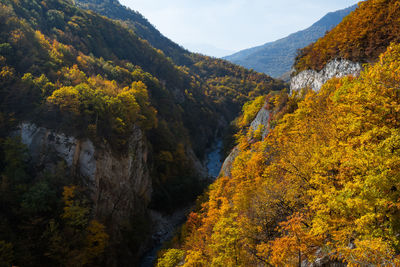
column 118, row 147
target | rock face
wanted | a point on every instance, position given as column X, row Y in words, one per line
column 262, row 119
column 120, row 185
column 322, row 260
column 227, row 165
column 314, row 80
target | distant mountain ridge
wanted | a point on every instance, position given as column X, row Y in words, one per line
column 277, row 58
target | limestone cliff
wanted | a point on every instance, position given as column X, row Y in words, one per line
column 314, row 80
column 228, row 162
column 261, row 120
column 120, row 185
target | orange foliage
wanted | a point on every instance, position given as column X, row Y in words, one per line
column 323, row 184
column 360, row 37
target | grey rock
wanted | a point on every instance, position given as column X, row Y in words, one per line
column 228, row 162
column 40, row 141
column 120, row 184
column 87, row 162
column 261, row 120
column 314, row 80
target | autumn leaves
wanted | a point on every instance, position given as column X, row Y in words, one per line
column 323, row 184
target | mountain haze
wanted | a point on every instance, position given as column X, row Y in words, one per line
column 276, row 58
column 208, row 49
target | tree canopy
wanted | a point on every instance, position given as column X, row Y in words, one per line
column 323, row 184
column 361, row 37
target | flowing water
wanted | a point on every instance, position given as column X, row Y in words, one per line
column 213, row 164
column 214, row 159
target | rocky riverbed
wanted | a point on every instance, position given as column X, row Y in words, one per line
column 166, row 224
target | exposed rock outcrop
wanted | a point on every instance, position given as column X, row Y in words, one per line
column 120, row 184
column 314, row 80
column 228, row 162
column 261, row 120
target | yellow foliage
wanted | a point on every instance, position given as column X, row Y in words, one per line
column 324, row 183
column 67, row 98
column 250, row 110
column 96, row 239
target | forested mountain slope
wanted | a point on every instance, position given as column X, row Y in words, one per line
column 277, row 58
column 322, row 186
column 140, row 25
column 360, row 37
column 80, row 76
column 229, row 85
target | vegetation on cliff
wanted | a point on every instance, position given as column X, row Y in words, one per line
column 44, row 220
column 323, row 184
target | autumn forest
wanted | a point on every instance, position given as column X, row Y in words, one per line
column 106, row 126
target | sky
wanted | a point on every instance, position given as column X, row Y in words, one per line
column 226, row 26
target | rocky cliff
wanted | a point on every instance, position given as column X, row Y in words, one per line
column 305, row 79
column 261, row 120
column 120, row 185
column 228, row 162
column 314, row 80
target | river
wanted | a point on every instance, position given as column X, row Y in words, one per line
column 214, row 159
column 169, row 223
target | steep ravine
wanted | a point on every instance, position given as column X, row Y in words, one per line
column 120, row 185
column 215, row 166
column 166, row 225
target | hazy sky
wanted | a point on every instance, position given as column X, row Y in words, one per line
column 232, row 24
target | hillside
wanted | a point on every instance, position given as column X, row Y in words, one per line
column 224, row 80
column 321, row 187
column 361, row 37
column 140, row 25
column 277, row 58
column 316, row 183
column 113, row 126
